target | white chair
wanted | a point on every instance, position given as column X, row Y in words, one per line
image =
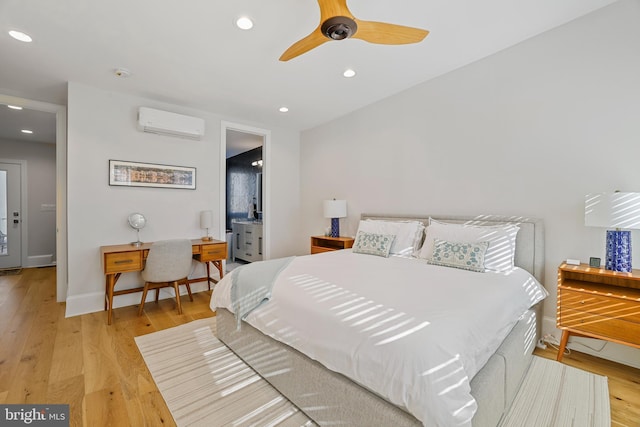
column 168, row 265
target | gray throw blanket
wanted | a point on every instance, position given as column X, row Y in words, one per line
column 251, row 285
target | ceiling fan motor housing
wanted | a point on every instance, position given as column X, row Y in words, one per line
column 339, row 28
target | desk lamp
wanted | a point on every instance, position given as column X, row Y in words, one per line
column 206, row 221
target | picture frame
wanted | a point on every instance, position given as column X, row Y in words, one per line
column 594, row 262
column 139, row 174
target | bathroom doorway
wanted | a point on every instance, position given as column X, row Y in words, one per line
column 245, row 192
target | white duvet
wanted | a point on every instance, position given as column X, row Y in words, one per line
column 413, row 333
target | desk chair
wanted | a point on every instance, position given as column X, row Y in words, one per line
column 168, row 265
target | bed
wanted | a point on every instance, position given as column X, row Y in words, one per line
column 391, row 352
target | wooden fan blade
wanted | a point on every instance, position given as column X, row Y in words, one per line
column 331, row 8
column 383, row 33
column 304, row 45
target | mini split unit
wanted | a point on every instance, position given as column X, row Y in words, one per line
column 172, row 124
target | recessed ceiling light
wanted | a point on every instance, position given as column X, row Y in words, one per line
column 244, row 23
column 284, row 109
column 19, row 35
column 26, row 131
column 14, row 107
column 349, row 72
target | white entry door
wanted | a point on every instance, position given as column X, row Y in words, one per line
column 10, row 216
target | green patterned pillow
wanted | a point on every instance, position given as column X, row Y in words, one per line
column 373, row 244
column 468, row 256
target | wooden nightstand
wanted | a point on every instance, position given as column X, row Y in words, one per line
column 598, row 303
column 325, row 244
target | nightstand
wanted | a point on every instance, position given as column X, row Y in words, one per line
column 325, row 244
column 598, row 303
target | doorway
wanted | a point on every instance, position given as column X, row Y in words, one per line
column 10, row 214
column 60, row 207
column 253, row 206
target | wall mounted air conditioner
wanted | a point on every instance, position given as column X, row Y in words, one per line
column 166, row 123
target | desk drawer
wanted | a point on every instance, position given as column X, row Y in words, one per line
column 120, row 262
column 213, row 252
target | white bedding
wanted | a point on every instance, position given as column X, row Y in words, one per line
column 414, row 333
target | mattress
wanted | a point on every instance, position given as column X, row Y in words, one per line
column 413, row 333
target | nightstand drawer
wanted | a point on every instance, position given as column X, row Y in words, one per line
column 602, row 326
column 614, row 307
column 119, row 262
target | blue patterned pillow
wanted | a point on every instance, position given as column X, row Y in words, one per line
column 468, row 256
column 373, row 244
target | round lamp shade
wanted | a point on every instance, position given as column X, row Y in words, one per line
column 335, row 208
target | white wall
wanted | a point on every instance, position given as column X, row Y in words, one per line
column 528, row 131
column 40, row 159
column 102, row 126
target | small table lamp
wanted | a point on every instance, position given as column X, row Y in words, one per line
column 335, row 209
column 614, row 210
column 206, row 221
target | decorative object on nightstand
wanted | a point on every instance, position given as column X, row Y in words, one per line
column 137, row 221
column 598, row 303
column 614, row 210
column 335, row 209
column 206, row 222
column 321, row 244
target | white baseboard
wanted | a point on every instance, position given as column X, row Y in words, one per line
column 40, row 261
column 94, row 302
column 607, row 350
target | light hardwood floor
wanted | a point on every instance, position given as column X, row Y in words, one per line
column 98, row 371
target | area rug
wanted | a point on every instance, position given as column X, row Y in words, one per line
column 206, row 384
column 553, row 394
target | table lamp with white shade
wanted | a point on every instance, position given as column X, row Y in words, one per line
column 614, row 210
column 206, row 222
column 335, row 209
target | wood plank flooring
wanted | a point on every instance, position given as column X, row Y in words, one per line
column 98, row 370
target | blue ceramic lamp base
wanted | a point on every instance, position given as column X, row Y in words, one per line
column 618, row 251
column 335, row 227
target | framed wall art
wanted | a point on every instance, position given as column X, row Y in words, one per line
column 137, row 174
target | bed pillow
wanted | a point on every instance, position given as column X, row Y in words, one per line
column 467, row 256
column 500, row 254
column 373, row 244
column 408, row 234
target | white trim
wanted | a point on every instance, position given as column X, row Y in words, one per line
column 61, row 186
column 93, row 302
column 266, row 179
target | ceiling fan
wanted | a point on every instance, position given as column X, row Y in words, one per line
column 338, row 23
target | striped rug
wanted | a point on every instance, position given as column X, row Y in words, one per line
column 554, row 394
column 205, row 384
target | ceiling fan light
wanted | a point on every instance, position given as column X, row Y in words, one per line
column 244, row 23
column 339, row 28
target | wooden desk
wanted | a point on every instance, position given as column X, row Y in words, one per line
column 118, row 259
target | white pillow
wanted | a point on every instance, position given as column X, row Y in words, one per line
column 408, row 234
column 500, row 254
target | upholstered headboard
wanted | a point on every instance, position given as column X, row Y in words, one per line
column 529, row 241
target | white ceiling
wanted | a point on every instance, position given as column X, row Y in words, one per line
column 191, row 53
